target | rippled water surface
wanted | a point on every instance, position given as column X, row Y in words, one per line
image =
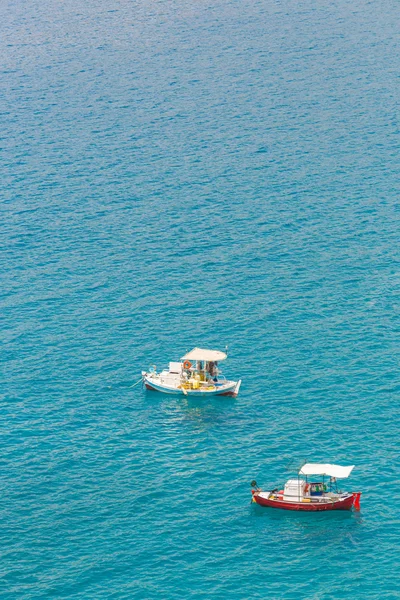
column 192, row 173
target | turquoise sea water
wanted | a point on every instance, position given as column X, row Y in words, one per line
column 178, row 174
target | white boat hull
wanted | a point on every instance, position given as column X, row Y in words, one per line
column 158, row 384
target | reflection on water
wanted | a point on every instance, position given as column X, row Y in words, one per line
column 321, row 528
column 204, row 412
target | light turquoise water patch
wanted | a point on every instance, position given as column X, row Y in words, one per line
column 181, row 174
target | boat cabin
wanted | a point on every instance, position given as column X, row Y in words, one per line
column 298, row 489
column 294, row 490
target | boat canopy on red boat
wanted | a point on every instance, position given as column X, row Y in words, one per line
column 326, row 469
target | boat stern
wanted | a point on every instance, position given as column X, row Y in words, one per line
column 356, row 500
column 237, row 388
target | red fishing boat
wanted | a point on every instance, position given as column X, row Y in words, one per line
column 304, row 495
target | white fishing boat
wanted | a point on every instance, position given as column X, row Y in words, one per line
column 196, row 374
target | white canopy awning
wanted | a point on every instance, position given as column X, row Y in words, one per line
column 207, row 355
column 326, row 469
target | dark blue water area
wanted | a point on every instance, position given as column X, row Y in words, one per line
column 180, row 174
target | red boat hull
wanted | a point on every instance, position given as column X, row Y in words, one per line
column 342, row 504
